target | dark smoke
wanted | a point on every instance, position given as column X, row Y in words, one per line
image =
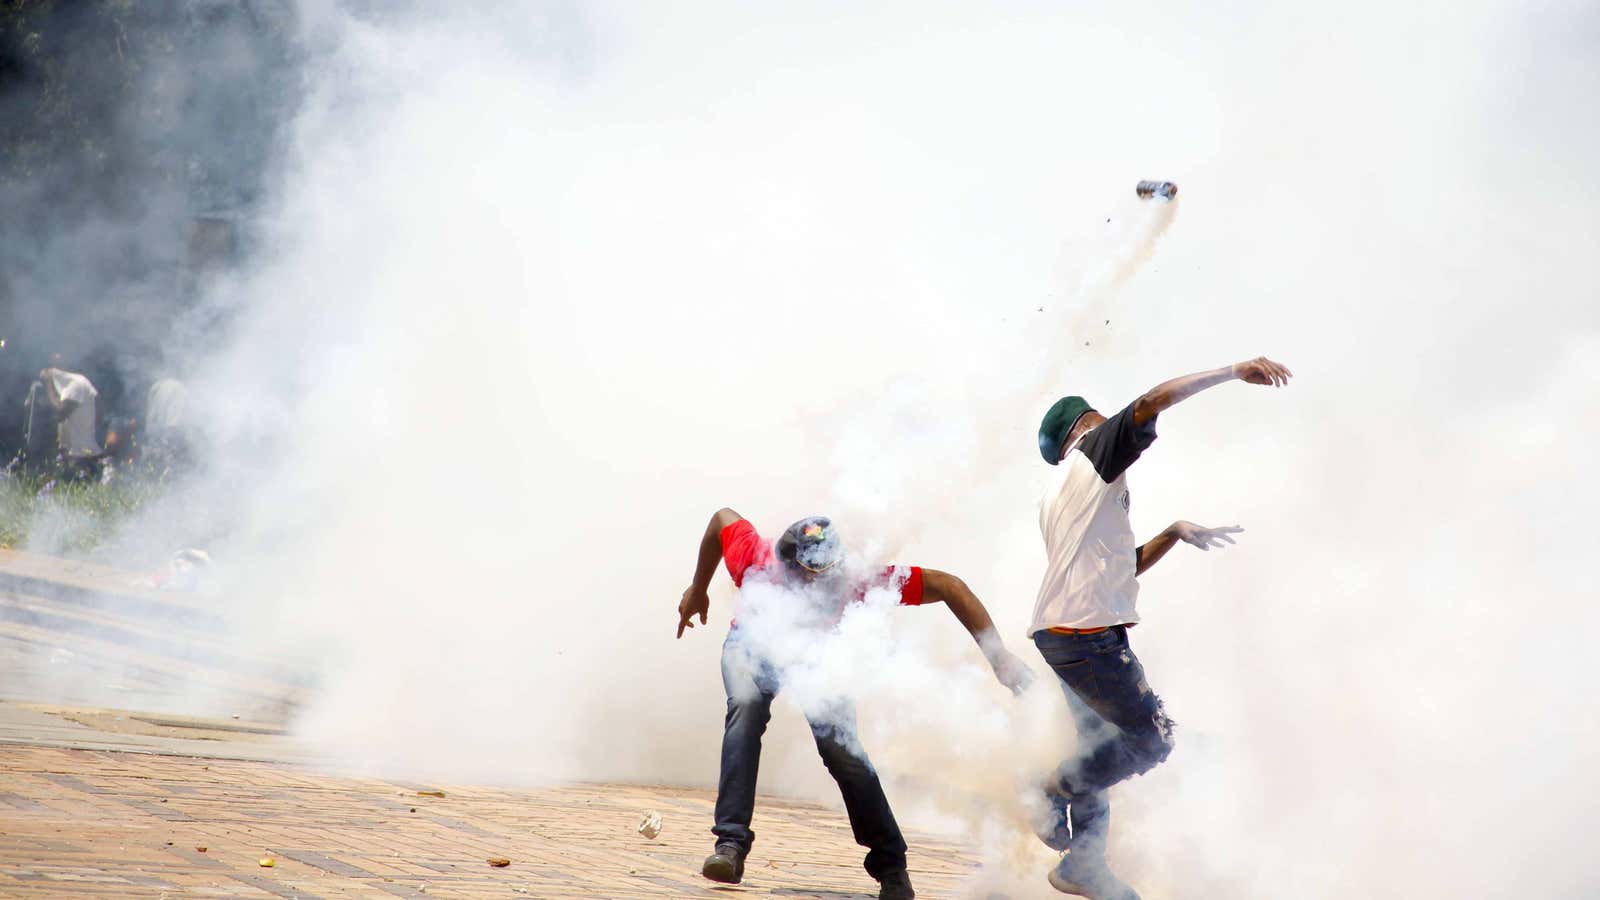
column 139, row 147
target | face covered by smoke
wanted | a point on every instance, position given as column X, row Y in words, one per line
column 823, row 641
column 519, row 324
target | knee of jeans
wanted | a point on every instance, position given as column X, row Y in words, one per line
column 1157, row 751
column 1155, row 744
column 839, row 759
column 748, row 711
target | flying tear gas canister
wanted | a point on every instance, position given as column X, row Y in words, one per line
column 1166, row 190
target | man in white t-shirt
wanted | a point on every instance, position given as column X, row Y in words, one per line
column 71, row 399
column 1087, row 603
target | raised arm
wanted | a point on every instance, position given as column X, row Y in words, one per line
column 942, row 587
column 1169, row 393
column 695, row 600
column 1151, row 551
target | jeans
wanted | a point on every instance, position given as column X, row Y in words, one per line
column 751, row 686
column 1122, row 729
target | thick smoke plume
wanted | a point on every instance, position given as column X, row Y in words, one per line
column 139, row 145
column 520, row 324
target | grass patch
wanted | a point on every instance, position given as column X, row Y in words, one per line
column 52, row 513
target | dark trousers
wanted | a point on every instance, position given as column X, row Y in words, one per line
column 1122, row 729
column 751, row 686
column 40, row 426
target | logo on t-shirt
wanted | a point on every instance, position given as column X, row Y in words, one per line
column 1126, row 503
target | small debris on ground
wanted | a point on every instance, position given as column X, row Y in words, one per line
column 266, row 862
column 650, row 825
column 199, row 849
column 430, row 793
column 499, row 862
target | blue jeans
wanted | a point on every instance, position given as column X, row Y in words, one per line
column 751, row 686
column 1122, row 729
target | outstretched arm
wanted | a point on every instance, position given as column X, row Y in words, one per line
column 942, row 587
column 1169, row 393
column 695, row 600
column 1152, row 550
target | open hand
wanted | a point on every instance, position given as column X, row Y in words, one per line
column 694, row 601
column 1011, row 671
column 1202, row 537
column 1262, row 371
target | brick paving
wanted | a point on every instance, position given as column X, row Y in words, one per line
column 97, row 823
column 106, row 791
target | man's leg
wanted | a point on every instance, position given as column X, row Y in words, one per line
column 39, row 431
column 1122, row 727
column 871, row 820
column 750, row 691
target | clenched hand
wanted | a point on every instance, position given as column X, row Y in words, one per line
column 1011, row 671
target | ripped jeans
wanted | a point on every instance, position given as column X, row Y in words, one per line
column 751, row 686
column 1122, row 729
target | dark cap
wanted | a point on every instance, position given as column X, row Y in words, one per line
column 811, row 544
column 1058, row 424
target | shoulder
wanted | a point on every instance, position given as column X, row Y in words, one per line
column 1116, row 443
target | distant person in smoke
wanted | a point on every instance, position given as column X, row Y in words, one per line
column 1086, row 606
column 808, row 562
column 166, row 409
column 61, row 413
column 166, row 435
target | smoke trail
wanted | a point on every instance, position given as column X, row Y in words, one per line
column 883, row 478
column 1135, row 249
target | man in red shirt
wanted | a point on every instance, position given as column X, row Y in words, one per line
column 808, row 563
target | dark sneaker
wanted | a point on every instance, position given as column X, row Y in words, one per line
column 1054, row 832
column 895, row 886
column 1087, row 875
column 725, row 864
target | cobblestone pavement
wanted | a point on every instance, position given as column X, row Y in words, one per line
column 96, row 823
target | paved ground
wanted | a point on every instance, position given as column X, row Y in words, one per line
column 78, row 634
column 94, row 823
column 115, row 800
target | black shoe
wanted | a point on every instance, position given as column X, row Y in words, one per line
column 895, row 886
column 725, row 864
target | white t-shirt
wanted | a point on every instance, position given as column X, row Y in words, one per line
column 77, row 429
column 1089, row 575
column 165, row 407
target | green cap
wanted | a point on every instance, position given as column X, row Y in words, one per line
column 1058, row 424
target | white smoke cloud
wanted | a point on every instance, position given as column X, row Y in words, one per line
column 547, row 288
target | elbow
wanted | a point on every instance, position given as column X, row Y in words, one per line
column 1147, row 406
